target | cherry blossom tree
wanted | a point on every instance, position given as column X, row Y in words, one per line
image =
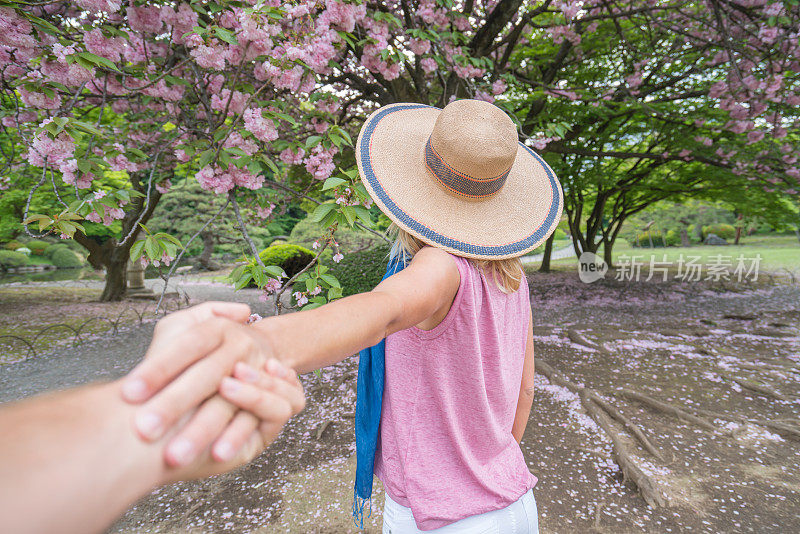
column 259, row 100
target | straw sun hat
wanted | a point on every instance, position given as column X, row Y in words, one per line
column 458, row 178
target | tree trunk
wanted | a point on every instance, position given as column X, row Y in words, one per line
column 548, row 250
column 208, row 249
column 738, row 229
column 797, row 233
column 685, row 242
column 116, row 278
column 608, row 247
column 114, row 257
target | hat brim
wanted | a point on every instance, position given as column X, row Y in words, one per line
column 391, row 162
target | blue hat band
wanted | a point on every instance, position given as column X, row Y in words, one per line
column 461, row 183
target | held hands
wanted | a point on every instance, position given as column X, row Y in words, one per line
column 210, row 372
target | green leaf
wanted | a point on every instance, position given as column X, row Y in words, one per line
column 363, row 214
column 86, row 127
column 243, row 280
column 137, row 152
column 311, row 283
column 313, row 141
column 169, row 238
column 321, row 211
column 330, row 218
column 275, row 271
column 272, row 166
column 205, row 158
column 35, row 217
column 334, row 293
column 259, row 275
column 237, row 272
column 226, row 36
column 350, row 214
column 66, row 227
column 98, row 60
column 332, row 182
column 331, row 280
column 236, row 151
column 152, row 247
column 286, row 117
column 52, row 128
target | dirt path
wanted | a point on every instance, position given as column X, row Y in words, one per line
column 674, row 342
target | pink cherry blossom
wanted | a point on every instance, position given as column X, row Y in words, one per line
column 264, row 212
column 292, row 157
column 419, row 46
column 428, row 65
column 499, row 87
column 261, row 127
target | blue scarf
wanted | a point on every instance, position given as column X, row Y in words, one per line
column 369, row 397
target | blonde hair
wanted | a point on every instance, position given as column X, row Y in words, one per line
column 506, row 274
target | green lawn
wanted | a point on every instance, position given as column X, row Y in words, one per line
column 777, row 252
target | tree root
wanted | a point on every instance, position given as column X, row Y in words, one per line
column 603, row 412
column 321, row 429
column 579, row 339
column 754, row 386
column 621, row 453
column 780, row 427
column 632, row 427
column 751, row 366
column 668, row 409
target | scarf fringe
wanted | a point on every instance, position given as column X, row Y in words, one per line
column 359, row 503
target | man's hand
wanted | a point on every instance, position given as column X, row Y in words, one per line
column 192, row 351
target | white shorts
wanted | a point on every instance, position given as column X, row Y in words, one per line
column 519, row 517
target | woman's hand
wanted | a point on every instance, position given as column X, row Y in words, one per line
column 272, row 395
column 192, row 351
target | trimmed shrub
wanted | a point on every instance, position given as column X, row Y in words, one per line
column 725, row 231
column 37, row 246
column 291, row 258
column 73, row 245
column 12, row 245
column 52, row 249
column 559, row 235
column 9, row 258
column 361, row 271
column 66, row 259
column 644, row 241
column 673, row 238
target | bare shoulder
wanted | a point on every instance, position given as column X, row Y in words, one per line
column 436, row 264
column 423, row 290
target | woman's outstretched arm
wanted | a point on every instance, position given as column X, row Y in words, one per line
column 306, row 340
column 323, row 336
column 525, row 389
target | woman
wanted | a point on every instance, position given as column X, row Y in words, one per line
column 443, row 420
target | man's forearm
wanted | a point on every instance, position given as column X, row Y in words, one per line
column 71, row 463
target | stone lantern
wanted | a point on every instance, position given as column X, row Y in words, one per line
column 136, row 287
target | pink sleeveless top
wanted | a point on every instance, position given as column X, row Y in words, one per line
column 445, row 448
